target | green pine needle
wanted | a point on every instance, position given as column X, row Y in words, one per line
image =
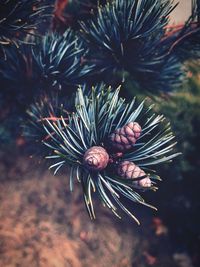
column 97, row 114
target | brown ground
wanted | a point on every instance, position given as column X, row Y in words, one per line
column 43, row 225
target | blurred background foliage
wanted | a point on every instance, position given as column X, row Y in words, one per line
column 178, row 196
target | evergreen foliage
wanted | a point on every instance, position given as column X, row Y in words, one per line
column 127, row 35
column 118, row 37
column 55, row 62
column 45, row 108
column 60, row 59
column 95, row 117
column 18, row 18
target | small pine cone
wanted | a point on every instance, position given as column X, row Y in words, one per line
column 96, row 158
column 129, row 170
column 124, row 138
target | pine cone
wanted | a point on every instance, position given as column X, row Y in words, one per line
column 124, row 138
column 96, row 158
column 129, row 170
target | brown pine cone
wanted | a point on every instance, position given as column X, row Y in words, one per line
column 124, row 138
column 96, row 158
column 129, row 170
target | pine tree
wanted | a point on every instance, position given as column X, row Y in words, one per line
column 83, row 143
column 108, row 143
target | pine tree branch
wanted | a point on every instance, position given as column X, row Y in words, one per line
column 83, row 140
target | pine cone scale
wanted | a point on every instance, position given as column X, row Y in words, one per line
column 96, row 158
column 124, row 138
column 129, row 170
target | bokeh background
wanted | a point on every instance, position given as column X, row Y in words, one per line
column 43, row 224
